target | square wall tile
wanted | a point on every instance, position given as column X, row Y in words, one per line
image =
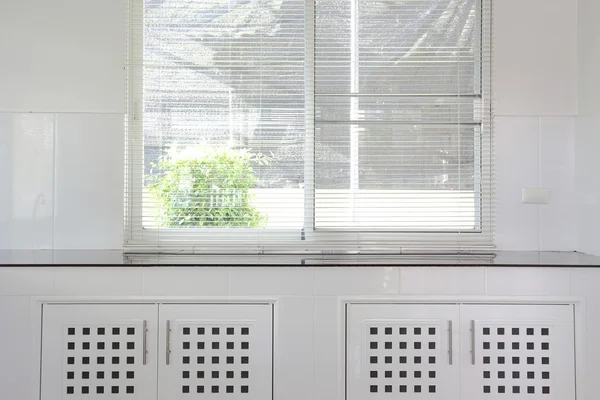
column 529, row 77
column 585, row 282
column 356, row 280
column 16, row 281
column 94, row 281
column 523, row 281
column 517, row 166
column 442, row 281
column 558, row 217
column 64, row 57
column 27, row 181
column 89, row 181
column 15, row 347
column 587, row 189
column 186, row 281
column 272, row 280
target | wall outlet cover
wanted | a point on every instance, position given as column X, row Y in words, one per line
column 535, row 195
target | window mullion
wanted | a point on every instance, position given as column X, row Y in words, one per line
column 309, row 142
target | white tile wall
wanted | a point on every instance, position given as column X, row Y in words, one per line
column 535, row 57
column 587, row 166
column 368, row 280
column 89, row 181
column 66, row 57
column 270, row 281
column 442, row 281
column 185, row 281
column 16, row 281
column 544, row 157
column 26, row 180
column 517, row 166
column 589, row 57
column 528, row 282
column 98, row 281
column 587, row 162
column 557, row 171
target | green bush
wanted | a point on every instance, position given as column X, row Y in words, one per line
column 206, row 186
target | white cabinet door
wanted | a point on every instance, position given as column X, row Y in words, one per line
column 99, row 351
column 216, row 351
column 517, row 352
column 397, row 351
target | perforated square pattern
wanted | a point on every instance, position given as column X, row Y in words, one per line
column 215, row 358
column 403, row 358
column 515, row 358
column 101, row 359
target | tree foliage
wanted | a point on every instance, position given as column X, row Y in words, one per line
column 206, row 186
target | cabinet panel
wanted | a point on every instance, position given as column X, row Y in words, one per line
column 402, row 351
column 221, row 351
column 518, row 351
column 97, row 351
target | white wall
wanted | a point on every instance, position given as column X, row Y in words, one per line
column 535, row 99
column 588, row 129
column 61, row 122
column 309, row 322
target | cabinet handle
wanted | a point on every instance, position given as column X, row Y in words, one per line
column 168, row 342
column 450, row 344
column 145, row 342
column 473, row 342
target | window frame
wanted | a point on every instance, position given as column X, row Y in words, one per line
column 308, row 239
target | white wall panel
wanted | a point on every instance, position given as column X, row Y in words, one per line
column 535, row 57
column 26, row 180
column 63, row 55
column 442, row 281
column 89, row 181
column 17, row 281
column 185, row 281
column 587, row 188
column 517, row 166
column 523, row 281
column 74, row 281
column 589, row 57
column 270, row 281
column 368, row 280
column 557, row 166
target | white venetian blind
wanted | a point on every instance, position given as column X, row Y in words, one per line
column 299, row 125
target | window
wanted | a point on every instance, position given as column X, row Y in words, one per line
column 309, row 125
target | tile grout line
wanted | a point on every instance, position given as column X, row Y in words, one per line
column 539, row 208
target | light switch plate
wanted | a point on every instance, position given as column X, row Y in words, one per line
column 535, row 195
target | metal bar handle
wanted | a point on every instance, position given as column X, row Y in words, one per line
column 473, row 342
column 168, row 347
column 145, row 342
column 450, row 344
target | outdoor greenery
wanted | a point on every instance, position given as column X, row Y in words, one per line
column 206, row 186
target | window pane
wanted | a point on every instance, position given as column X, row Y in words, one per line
column 226, row 75
column 398, row 119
